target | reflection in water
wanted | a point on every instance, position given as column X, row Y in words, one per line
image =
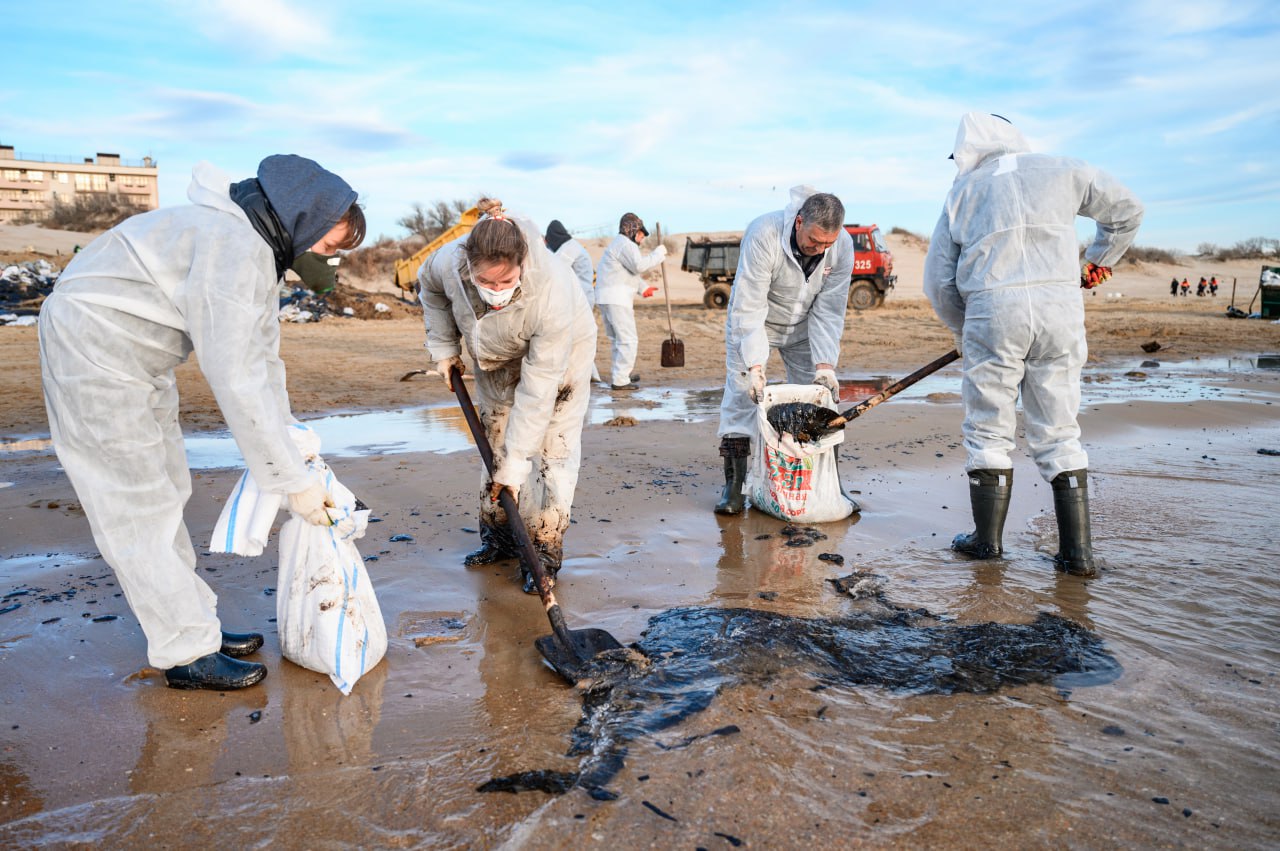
column 695, row 653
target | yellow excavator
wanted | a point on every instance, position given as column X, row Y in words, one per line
column 406, row 274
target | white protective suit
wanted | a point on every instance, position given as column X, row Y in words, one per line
column 533, row 378
column 773, row 306
column 572, row 252
column 129, row 308
column 1003, row 271
column 619, row 278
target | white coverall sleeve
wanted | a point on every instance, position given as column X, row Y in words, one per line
column 535, row 397
column 749, row 299
column 231, row 314
column 1118, row 213
column 636, row 263
column 826, row 315
column 443, row 337
column 582, row 268
column 940, row 276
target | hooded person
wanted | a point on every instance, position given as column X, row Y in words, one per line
column 127, row 310
column 529, row 331
column 1003, row 274
column 619, row 279
column 568, row 249
column 789, row 294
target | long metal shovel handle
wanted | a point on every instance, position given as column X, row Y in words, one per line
column 528, row 553
column 893, row 389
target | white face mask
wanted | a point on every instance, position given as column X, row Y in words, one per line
column 497, row 299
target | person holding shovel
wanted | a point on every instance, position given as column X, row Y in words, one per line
column 789, row 295
column 619, row 278
column 1003, row 274
column 530, row 333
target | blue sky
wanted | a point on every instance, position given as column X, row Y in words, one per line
column 697, row 115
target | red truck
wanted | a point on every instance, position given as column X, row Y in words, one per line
column 716, row 262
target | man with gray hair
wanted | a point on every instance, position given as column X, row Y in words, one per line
column 789, row 294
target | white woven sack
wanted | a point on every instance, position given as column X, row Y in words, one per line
column 327, row 614
column 793, row 481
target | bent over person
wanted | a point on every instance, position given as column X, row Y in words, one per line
column 530, row 333
column 1003, row 274
column 131, row 307
column 789, row 294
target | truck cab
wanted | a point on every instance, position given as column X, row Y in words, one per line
column 872, row 267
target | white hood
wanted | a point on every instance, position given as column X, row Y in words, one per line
column 982, row 136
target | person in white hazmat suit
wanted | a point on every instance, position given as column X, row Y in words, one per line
column 530, row 333
column 619, row 278
column 789, row 294
column 1003, row 273
column 128, row 309
column 568, row 249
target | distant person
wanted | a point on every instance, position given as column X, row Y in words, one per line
column 1202, row 286
column 789, row 294
column 1173, row 287
column 1186, row 288
column 1213, row 286
column 522, row 316
column 201, row 278
column 568, row 249
column 619, row 278
column 1003, row 275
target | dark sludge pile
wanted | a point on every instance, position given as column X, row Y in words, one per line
column 688, row 655
column 803, row 421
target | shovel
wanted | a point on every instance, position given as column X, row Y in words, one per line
column 808, row 423
column 567, row 650
column 672, row 349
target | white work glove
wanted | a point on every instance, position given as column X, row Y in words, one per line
column 661, row 250
column 445, row 367
column 310, row 504
column 756, row 376
column 827, row 378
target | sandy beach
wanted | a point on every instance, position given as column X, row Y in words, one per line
column 1178, row 750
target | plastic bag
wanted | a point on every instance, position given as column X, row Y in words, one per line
column 793, row 481
column 326, row 611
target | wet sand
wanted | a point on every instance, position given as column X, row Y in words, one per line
column 1178, row 751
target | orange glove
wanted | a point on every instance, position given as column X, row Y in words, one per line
column 1092, row 275
column 649, row 292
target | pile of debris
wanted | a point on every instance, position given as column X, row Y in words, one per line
column 302, row 305
column 23, row 287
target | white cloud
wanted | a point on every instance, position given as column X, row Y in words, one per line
column 267, row 27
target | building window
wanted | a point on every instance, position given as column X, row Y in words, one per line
column 35, row 177
column 83, row 184
column 99, row 182
column 62, row 177
column 12, row 174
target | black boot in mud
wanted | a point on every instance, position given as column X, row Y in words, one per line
column 734, row 450
column 989, row 492
column 493, row 547
column 1075, row 541
column 216, row 672
column 239, row 644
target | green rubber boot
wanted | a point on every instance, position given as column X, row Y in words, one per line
column 1071, row 505
column 989, row 492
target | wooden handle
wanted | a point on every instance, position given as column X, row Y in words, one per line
column 893, row 389
column 666, row 295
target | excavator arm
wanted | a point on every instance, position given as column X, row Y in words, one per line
column 406, row 273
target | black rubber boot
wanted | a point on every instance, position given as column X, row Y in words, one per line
column 1071, row 505
column 734, row 450
column 494, row 546
column 551, row 561
column 989, row 492
column 239, row 644
column 216, row 672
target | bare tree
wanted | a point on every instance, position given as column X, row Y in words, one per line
column 433, row 220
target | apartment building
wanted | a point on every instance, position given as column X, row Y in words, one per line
column 31, row 184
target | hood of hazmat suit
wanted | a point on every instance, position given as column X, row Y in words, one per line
column 772, row 303
column 537, row 331
column 1009, row 219
column 556, row 235
column 308, row 199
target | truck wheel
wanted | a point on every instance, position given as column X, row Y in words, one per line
column 863, row 295
column 716, row 297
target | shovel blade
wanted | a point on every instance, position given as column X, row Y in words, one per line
column 673, row 352
column 585, row 645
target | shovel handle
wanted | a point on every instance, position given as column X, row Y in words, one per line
column 893, row 389
column 666, row 295
column 528, row 553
